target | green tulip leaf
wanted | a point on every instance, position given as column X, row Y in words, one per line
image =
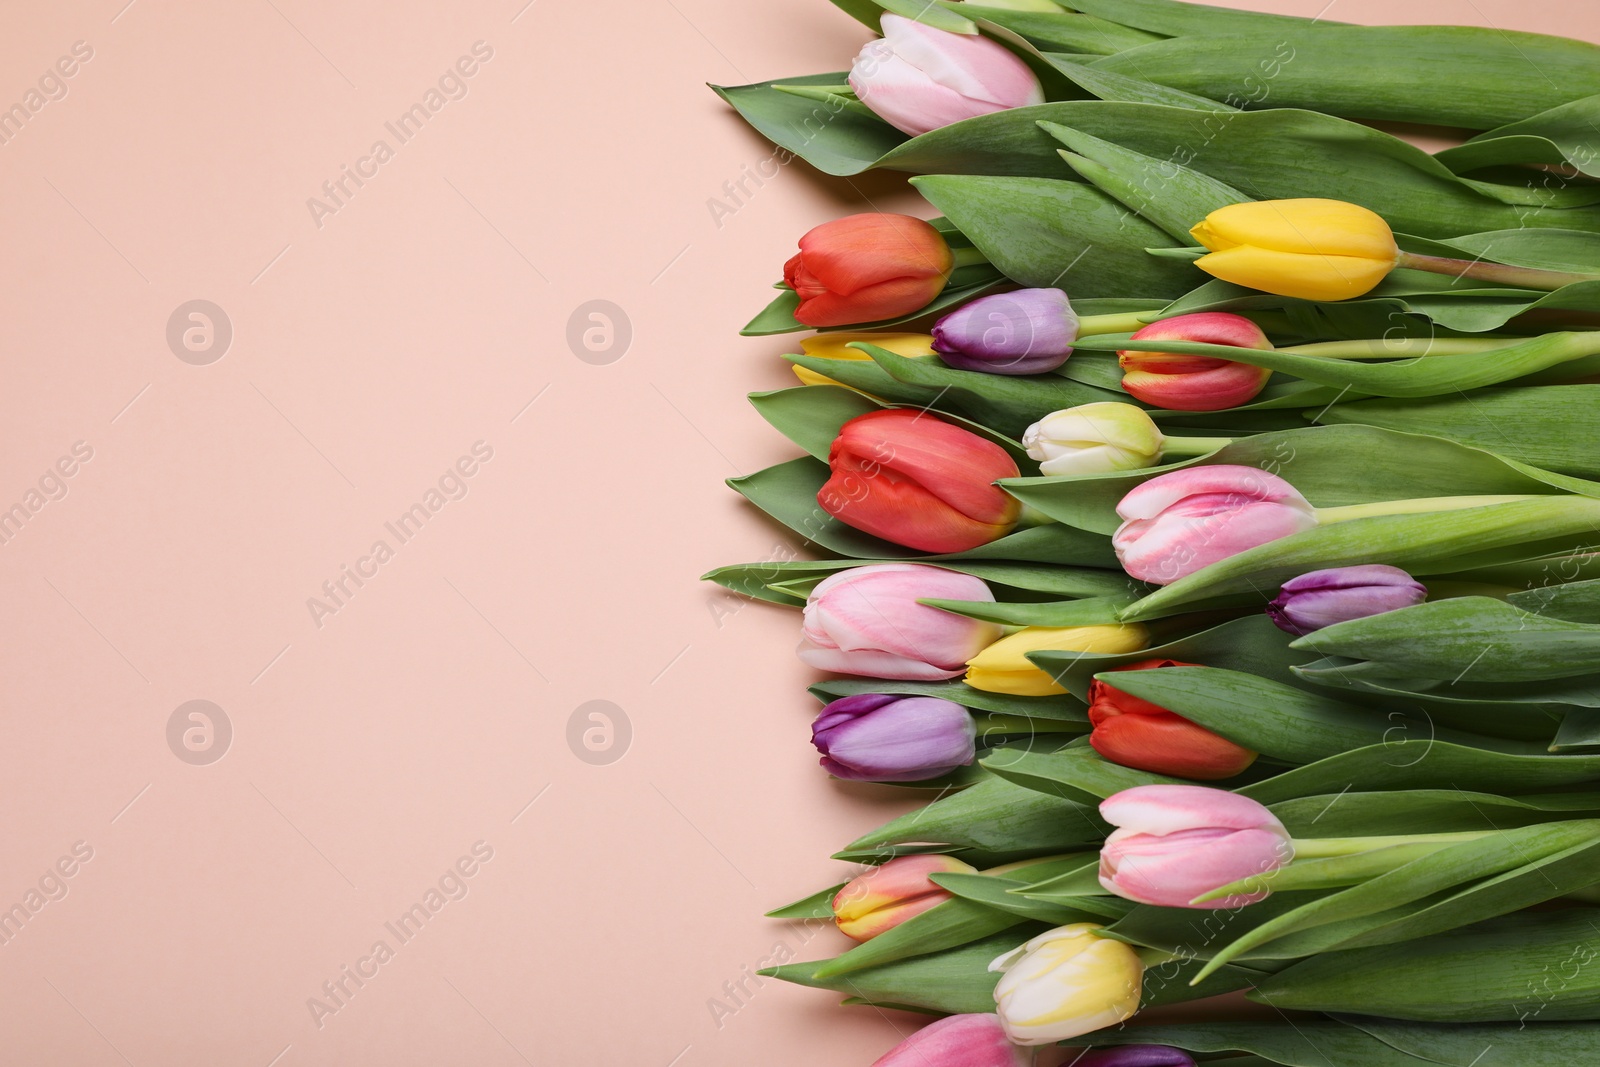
column 1090, row 611
column 1552, row 426
column 1058, row 31
column 1176, row 18
column 1065, row 234
column 953, row 981
column 1395, row 73
column 1562, row 135
column 1250, row 644
column 1323, row 463
column 1426, row 811
column 1533, row 967
column 1419, row 762
column 818, row 905
column 1476, row 638
column 994, row 815
column 1298, row 1043
column 1449, row 867
column 1467, row 1044
column 954, row 923
column 1417, row 376
column 1077, row 774
column 1579, row 731
column 810, row 415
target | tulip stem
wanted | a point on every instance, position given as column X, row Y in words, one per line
column 1494, row 273
column 1128, row 322
column 1414, row 506
column 1325, row 847
column 967, row 256
column 1018, row 724
column 1385, row 348
column 1193, row 446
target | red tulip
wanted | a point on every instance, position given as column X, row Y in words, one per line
column 1148, row 737
column 1195, row 383
column 914, row 479
column 865, row 268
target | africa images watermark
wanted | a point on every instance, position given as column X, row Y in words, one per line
column 338, row 191
column 51, row 86
column 337, row 992
column 338, row 591
column 51, row 486
column 50, row 887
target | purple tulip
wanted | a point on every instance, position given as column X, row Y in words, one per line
column 1340, row 594
column 1135, row 1056
column 1029, row 331
column 876, row 737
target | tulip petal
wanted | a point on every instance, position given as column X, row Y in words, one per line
column 1306, row 277
column 957, row 1041
column 1305, row 226
column 859, row 251
column 1169, row 809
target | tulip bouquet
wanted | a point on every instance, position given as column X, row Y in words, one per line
column 1204, row 512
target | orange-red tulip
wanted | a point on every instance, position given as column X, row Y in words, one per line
column 1148, row 737
column 866, row 268
column 914, row 479
column 1195, row 383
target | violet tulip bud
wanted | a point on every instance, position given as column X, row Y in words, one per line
column 876, row 737
column 1135, row 1056
column 1029, row 331
column 1174, row 843
column 866, row 620
column 1177, row 523
column 1340, row 594
column 917, row 78
column 957, row 1041
column 888, row 895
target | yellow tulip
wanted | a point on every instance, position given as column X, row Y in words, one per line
column 1066, row 982
column 1311, row 249
column 832, row 346
column 1003, row 667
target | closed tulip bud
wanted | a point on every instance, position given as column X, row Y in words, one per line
column 1179, row 522
column 1135, row 1056
column 875, row 737
column 1029, row 331
column 1312, row 249
column 1136, row 733
column 1195, row 383
column 866, row 621
column 916, row 480
column 1340, row 594
column 1066, row 982
column 957, row 1041
column 868, row 267
column 1174, row 843
column 887, row 896
column 1004, row 666
column 836, row 346
column 1094, row 439
column 917, row 78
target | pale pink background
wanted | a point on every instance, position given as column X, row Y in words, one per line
column 372, row 752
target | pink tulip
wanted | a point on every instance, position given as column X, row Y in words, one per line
column 1174, row 843
column 1177, row 523
column 888, row 895
column 917, row 78
column 957, row 1041
column 866, row 621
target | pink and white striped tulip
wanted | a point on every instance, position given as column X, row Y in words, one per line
column 957, row 1041
column 917, row 78
column 1177, row 523
column 1174, row 843
column 866, row 621
column 888, row 895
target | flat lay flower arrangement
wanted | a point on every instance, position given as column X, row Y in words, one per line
column 1202, row 509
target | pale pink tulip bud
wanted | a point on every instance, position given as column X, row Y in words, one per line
column 1174, row 843
column 957, row 1041
column 1177, row 523
column 866, row 621
column 917, row 78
